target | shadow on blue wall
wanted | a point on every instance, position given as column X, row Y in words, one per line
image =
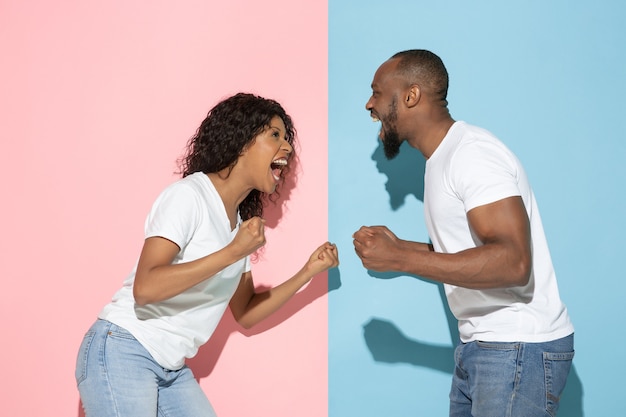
column 386, row 342
column 405, row 174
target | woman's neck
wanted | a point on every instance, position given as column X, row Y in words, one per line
column 230, row 192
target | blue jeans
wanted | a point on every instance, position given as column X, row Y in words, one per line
column 499, row 379
column 117, row 377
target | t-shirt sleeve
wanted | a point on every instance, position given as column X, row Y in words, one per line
column 174, row 215
column 483, row 173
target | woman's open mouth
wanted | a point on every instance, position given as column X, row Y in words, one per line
column 277, row 166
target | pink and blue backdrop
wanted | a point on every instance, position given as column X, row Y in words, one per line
column 97, row 100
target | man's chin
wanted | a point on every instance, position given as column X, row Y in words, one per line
column 391, row 144
column 391, row 156
column 391, row 151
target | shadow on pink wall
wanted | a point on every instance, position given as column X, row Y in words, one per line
column 204, row 362
column 208, row 355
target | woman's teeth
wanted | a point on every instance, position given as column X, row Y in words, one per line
column 277, row 167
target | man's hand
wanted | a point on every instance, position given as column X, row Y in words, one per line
column 378, row 248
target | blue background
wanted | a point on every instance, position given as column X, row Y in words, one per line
column 549, row 79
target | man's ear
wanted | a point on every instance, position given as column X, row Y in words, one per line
column 413, row 96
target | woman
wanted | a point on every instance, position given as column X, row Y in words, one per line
column 195, row 262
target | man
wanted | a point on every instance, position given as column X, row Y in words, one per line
column 488, row 247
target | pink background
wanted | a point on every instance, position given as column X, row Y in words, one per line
column 97, row 102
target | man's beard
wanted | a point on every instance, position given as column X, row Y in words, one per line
column 391, row 139
column 391, row 143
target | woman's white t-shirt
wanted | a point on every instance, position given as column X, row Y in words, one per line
column 191, row 214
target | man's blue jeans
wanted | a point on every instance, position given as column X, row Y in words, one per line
column 117, row 377
column 499, row 379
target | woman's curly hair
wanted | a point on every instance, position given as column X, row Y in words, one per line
column 229, row 128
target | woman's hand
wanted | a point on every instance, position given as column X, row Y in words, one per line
column 249, row 237
column 249, row 307
column 323, row 258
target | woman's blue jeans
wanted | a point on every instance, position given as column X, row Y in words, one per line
column 495, row 379
column 117, row 377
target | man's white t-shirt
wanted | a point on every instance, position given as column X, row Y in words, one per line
column 471, row 168
column 191, row 214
